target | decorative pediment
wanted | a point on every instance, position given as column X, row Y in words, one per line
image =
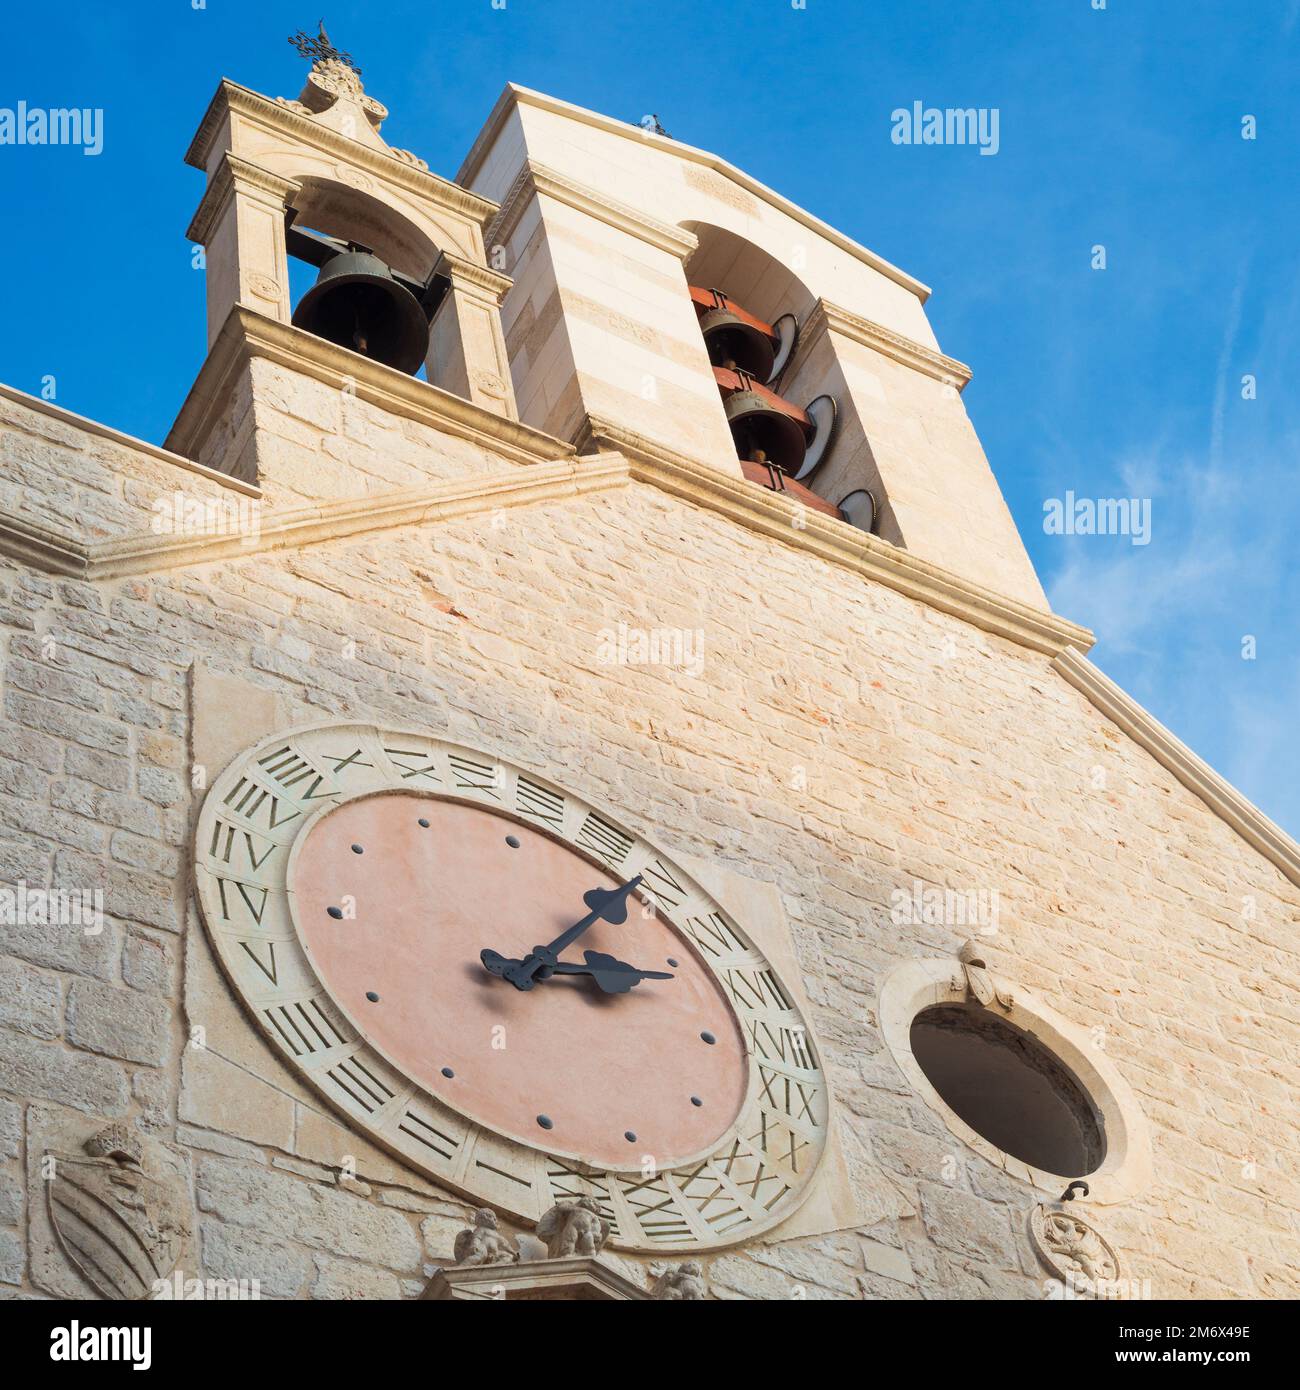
column 575, row 1278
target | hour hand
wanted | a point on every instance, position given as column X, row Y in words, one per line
column 611, row 975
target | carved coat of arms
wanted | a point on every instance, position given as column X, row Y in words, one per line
column 120, row 1227
column 1072, row 1248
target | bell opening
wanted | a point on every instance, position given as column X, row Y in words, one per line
column 358, row 305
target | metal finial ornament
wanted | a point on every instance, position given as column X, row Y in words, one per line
column 320, row 49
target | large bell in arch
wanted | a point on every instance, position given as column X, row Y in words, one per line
column 766, row 429
column 733, row 341
column 357, row 304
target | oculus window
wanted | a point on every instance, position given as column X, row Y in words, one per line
column 1009, row 1088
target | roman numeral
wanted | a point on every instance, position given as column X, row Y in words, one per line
column 252, row 897
column 230, row 842
column 289, row 768
column 608, row 844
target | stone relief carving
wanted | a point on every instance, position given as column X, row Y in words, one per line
column 264, row 286
column 483, row 1243
column 119, row 1219
column 1071, row 1248
column 977, row 981
column 681, row 1284
column 573, row 1228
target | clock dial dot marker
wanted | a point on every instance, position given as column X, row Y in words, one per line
column 512, row 841
column 630, row 1136
column 372, row 996
column 708, row 1038
column 448, row 1073
column 695, row 1100
column 546, row 1122
column 358, row 849
column 672, row 962
column 424, row 824
column 336, row 913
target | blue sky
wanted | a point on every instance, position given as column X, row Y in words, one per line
column 1120, row 127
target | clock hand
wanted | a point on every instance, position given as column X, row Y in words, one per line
column 611, row 975
column 605, row 905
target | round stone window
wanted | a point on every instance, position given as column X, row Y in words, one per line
column 1009, row 1088
column 1025, row 1087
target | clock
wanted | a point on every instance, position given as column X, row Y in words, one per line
column 508, row 989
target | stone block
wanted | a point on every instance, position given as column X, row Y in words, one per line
column 119, row 1022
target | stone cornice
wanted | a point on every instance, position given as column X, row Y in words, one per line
column 247, row 334
column 42, row 547
column 1198, row 777
column 146, row 552
column 460, row 271
column 781, row 517
column 828, row 317
column 564, row 1277
column 230, row 98
column 758, row 509
column 535, row 178
column 229, row 174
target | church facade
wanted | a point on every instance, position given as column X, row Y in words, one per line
column 615, row 817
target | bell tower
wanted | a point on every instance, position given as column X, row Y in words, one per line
column 403, row 282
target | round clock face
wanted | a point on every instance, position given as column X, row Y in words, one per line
column 352, row 880
column 426, row 885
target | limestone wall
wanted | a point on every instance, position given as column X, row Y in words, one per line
column 840, row 741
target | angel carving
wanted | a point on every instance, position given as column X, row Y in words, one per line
column 684, row 1284
column 483, row 1243
column 573, row 1228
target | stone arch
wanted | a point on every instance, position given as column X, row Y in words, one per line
column 342, row 210
column 747, row 272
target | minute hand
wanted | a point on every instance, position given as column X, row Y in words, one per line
column 605, row 906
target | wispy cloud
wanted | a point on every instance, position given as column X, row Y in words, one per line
column 1223, row 566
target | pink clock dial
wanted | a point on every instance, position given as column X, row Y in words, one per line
column 395, row 895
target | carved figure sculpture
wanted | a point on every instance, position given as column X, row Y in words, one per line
column 573, row 1228
column 684, row 1284
column 978, row 980
column 483, row 1243
column 1078, row 1248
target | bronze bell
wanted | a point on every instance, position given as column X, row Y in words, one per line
column 757, row 424
column 730, row 339
column 357, row 304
